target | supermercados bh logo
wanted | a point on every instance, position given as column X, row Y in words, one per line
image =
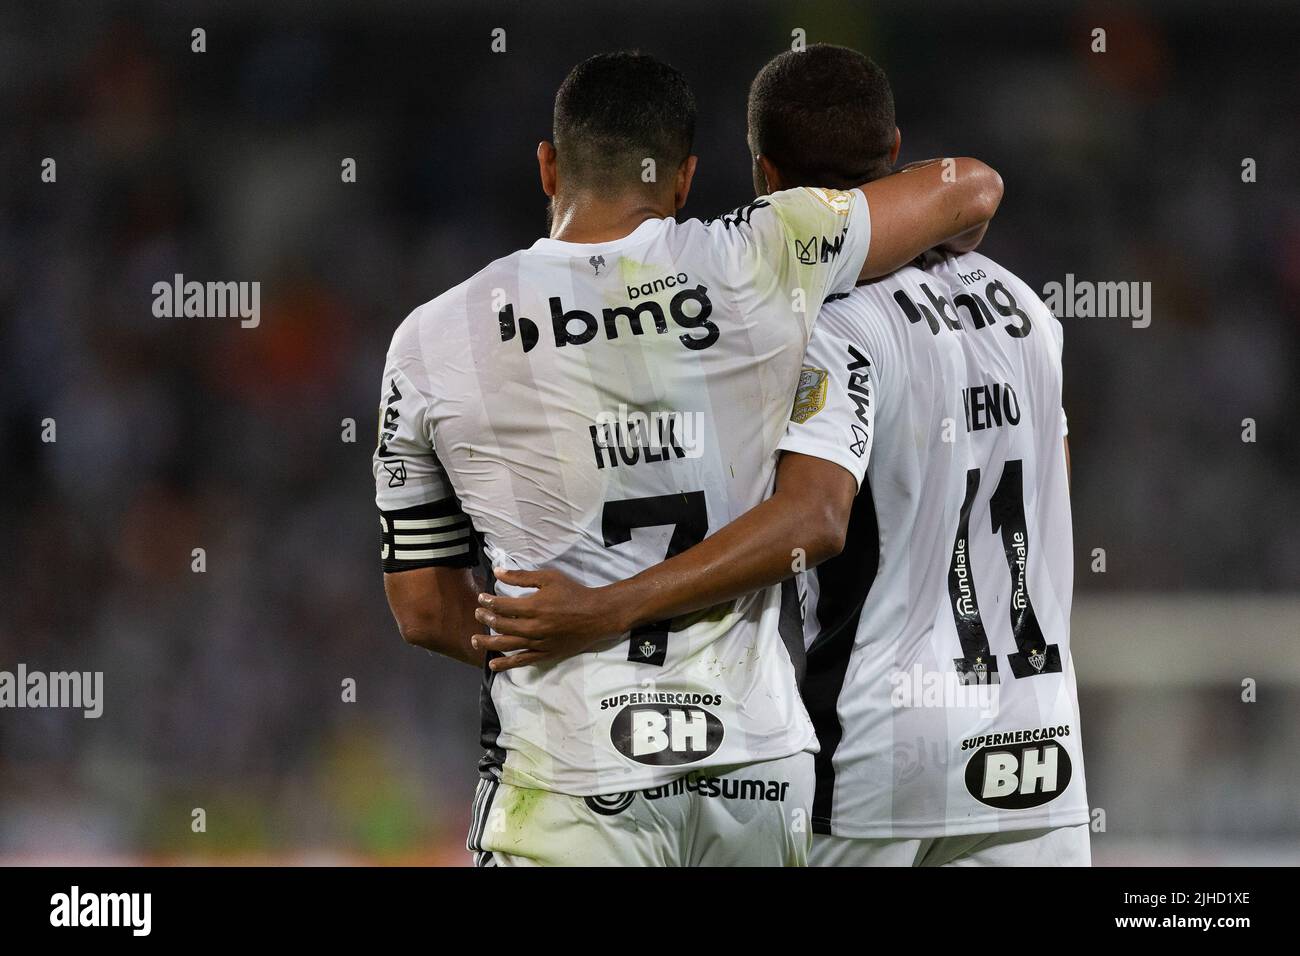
column 665, row 729
column 1018, row 770
column 687, row 307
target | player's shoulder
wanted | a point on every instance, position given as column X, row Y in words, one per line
column 739, row 220
column 975, row 269
column 422, row 321
column 438, row 315
column 983, row 274
column 865, row 318
column 781, row 205
column 969, row 267
column 869, row 303
column 839, row 202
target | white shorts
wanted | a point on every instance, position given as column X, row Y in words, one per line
column 755, row 815
column 1059, row 846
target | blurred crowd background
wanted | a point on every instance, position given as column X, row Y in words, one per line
column 223, row 689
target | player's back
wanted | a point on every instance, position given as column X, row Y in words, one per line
column 940, row 679
column 597, row 407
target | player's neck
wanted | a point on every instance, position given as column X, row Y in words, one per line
column 586, row 218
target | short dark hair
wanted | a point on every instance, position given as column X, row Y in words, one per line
column 614, row 110
column 823, row 116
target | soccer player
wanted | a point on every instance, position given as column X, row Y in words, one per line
column 939, row 675
column 602, row 399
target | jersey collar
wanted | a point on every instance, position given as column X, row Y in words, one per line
column 642, row 233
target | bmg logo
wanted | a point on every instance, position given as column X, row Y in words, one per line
column 688, row 309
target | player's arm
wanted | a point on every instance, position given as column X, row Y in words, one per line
column 434, row 609
column 802, row 524
column 824, row 241
column 968, row 241
column 938, row 202
column 426, row 541
column 962, row 243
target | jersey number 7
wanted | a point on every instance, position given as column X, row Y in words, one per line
column 1033, row 655
column 687, row 513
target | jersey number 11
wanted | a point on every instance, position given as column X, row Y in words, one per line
column 1033, row 655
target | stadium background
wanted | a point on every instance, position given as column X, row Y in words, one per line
column 223, row 688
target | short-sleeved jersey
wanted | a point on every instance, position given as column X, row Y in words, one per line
column 939, row 672
column 594, row 408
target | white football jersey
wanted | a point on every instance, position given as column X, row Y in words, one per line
column 594, row 408
column 939, row 672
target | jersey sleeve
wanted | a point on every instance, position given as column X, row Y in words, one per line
column 1058, row 347
column 806, row 239
column 420, row 519
column 1043, row 318
column 834, row 407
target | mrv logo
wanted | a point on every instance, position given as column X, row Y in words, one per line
column 688, row 309
column 1029, row 772
column 665, row 736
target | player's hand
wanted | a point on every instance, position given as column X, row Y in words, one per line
column 558, row 620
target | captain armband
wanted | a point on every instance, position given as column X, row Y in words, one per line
column 432, row 535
